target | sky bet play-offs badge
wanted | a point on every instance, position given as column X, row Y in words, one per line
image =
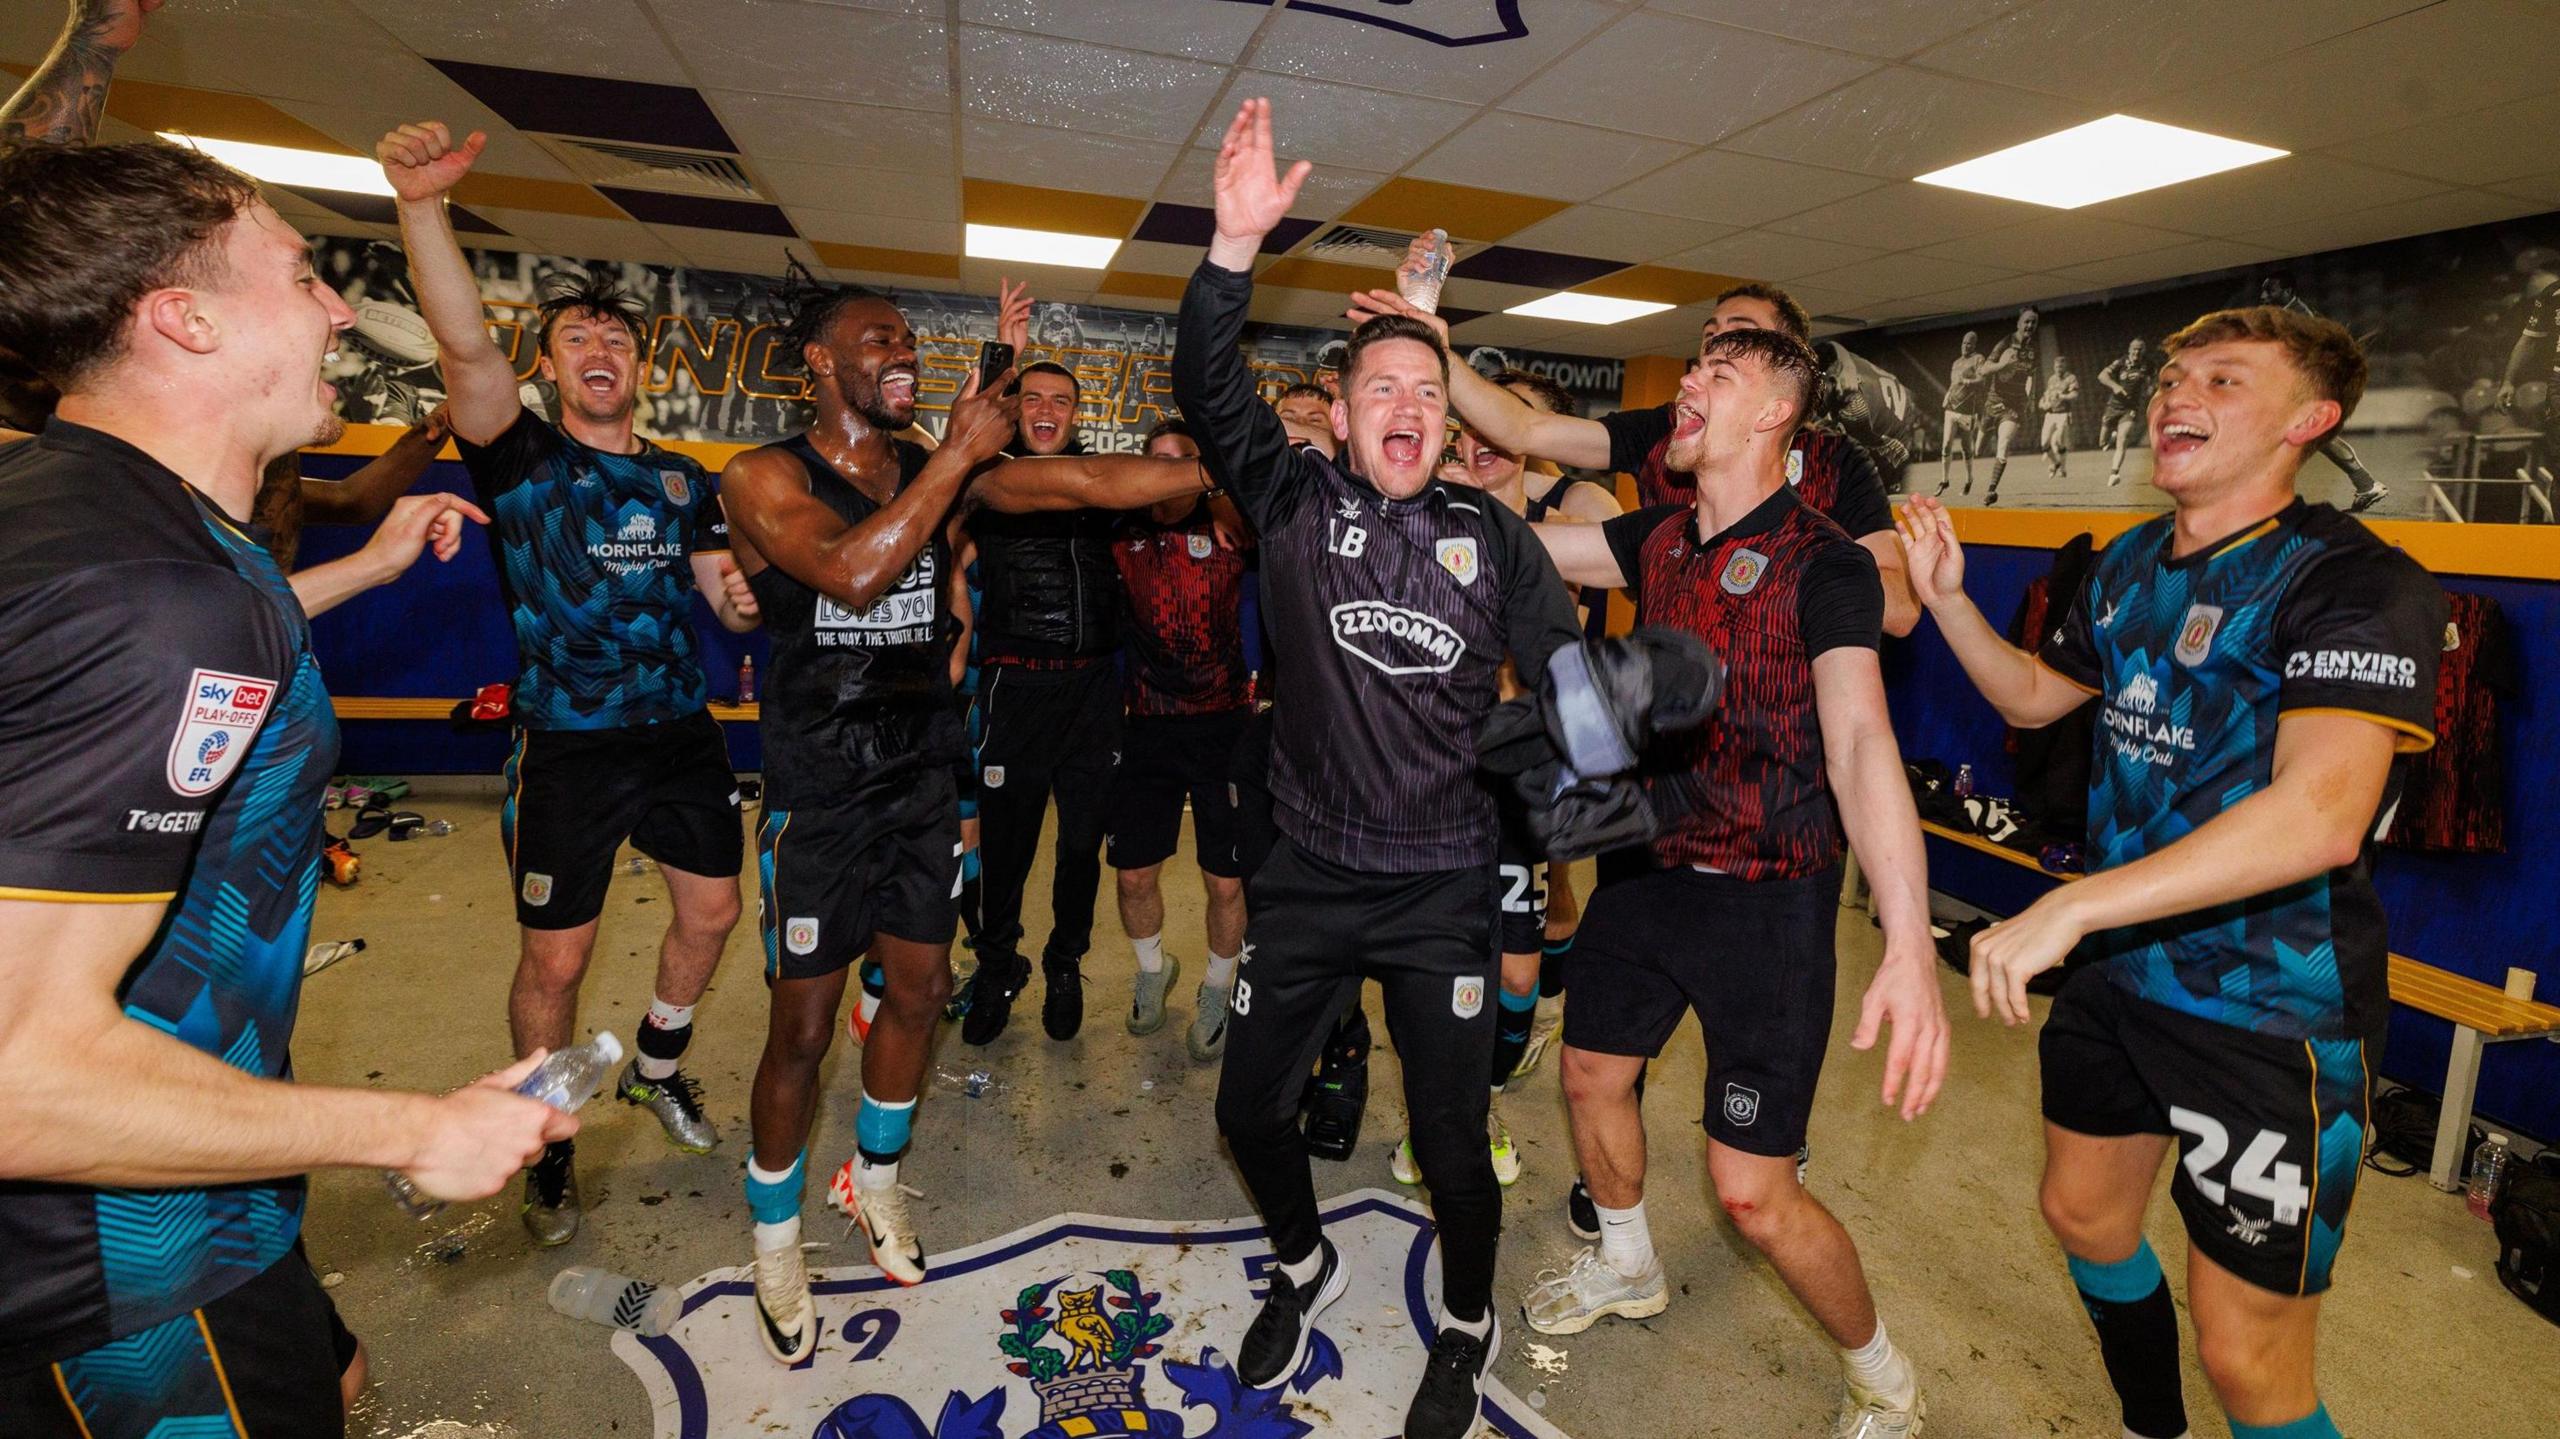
column 1077, row 1327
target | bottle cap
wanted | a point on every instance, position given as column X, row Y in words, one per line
column 608, row 1046
column 2498, row 1139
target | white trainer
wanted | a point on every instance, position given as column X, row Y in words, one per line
column 1589, row 1291
column 886, row 1222
column 1879, row 1416
column 786, row 1317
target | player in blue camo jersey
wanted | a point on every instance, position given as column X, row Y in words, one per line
column 2258, row 662
column 603, row 539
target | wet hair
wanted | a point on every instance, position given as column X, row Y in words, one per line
column 1052, row 367
column 814, row 310
column 1553, row 397
column 1392, row 327
column 2328, row 358
column 85, row 233
column 589, row 294
column 1783, row 355
column 1306, row 390
column 1170, row 425
column 1791, row 316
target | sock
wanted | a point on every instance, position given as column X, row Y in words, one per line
column 2314, row 1425
column 1626, row 1242
column 881, row 1129
column 1878, row 1368
column 773, row 1195
column 777, row 1235
column 1222, row 972
column 1551, row 965
column 1304, row 1272
column 1150, row 953
column 663, row 1036
column 1480, row 1326
column 2137, row 1326
column 1511, row 1025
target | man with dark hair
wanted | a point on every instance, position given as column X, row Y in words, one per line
column 2128, row 381
column 2010, row 375
column 1392, row 599
column 1307, row 410
column 2259, row 662
column 602, row 541
column 161, row 766
column 1048, row 629
column 1737, row 921
column 1184, row 687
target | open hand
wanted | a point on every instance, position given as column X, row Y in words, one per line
column 1931, row 553
column 1367, row 305
column 2017, row 949
column 1013, row 316
column 1905, row 996
column 422, row 162
column 1253, row 197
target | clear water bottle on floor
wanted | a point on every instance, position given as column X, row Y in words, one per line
column 2488, row 1174
column 1964, row 781
column 564, row 1080
column 583, row 1291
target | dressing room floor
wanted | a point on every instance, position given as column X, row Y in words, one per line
column 2419, row 1340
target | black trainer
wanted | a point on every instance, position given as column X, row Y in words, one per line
column 1277, row 1343
column 1062, row 996
column 991, row 990
column 1580, row 1214
column 1452, row 1394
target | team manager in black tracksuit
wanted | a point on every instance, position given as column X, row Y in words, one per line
column 1391, row 600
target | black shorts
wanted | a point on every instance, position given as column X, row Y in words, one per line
column 1524, row 887
column 263, row 1359
column 1999, row 409
column 2114, row 416
column 2270, row 1130
column 573, row 797
column 883, row 860
column 1754, row 959
column 1164, row 760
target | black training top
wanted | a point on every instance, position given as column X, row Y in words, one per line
column 1391, row 617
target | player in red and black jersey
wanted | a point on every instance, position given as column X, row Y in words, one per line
column 1737, row 921
column 1184, row 687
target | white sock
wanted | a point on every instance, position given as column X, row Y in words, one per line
column 1879, row 1368
column 776, row 1236
column 1150, row 953
column 874, row 1177
column 1222, row 972
column 1480, row 1326
column 1304, row 1272
column 662, row 1015
column 1626, row 1242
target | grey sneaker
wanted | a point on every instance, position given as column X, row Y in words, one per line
column 677, row 1101
column 1876, row 1416
column 1208, row 1036
column 1589, row 1291
column 1146, row 1012
column 551, row 1202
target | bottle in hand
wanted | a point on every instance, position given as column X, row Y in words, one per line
column 564, row 1080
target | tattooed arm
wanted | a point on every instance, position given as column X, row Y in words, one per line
column 61, row 102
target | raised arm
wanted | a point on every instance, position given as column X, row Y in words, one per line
column 1074, row 482
column 2026, row 691
column 1507, row 421
column 416, row 524
column 62, row 101
column 423, row 164
column 365, row 497
column 1241, row 441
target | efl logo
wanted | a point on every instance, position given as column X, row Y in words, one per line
column 1396, row 640
column 221, row 715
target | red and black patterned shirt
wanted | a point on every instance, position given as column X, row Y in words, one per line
column 1746, row 792
column 1185, row 633
column 1828, row 469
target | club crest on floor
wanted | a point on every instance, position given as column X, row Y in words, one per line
column 1076, row 1327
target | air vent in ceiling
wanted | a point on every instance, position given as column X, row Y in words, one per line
column 653, row 167
column 1360, row 245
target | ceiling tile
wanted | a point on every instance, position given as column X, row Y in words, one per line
column 1328, row 192
column 1893, row 276
column 1680, row 79
column 1660, row 284
column 1463, row 210
column 2544, row 189
column 942, row 264
column 1899, row 217
column 580, row 237
column 744, row 217
column 1885, row 30
column 1042, row 81
column 1898, row 123
column 1822, row 301
column 2116, row 54
column 2052, row 241
column 1770, row 255
column 786, row 127
column 1629, row 235
column 1731, row 189
column 326, row 54
column 1544, row 157
column 1300, row 273
column 1060, row 159
column 1491, row 296
column 1518, row 265
column 878, row 230
column 1141, row 285
column 1032, row 207
column 361, row 127
column 767, row 45
column 592, row 37
column 899, row 194
column 1215, row 33
column 2481, row 148
column 1338, row 124
column 150, row 108
column 556, row 197
column 1194, row 226
column 1147, row 257
column 2437, row 60
column 2193, row 258
column 1510, row 332
column 1321, row 45
column 2450, row 210
column 744, row 254
column 2279, row 192
column 605, row 109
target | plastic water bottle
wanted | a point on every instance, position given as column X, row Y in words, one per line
column 564, row 1080
column 1964, row 781
column 747, row 680
column 2488, row 1174
column 1420, row 282
column 583, row 1291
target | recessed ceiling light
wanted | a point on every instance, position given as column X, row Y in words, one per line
column 1586, row 309
column 1040, row 247
column 282, row 165
column 2101, row 160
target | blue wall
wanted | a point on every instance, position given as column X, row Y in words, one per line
column 2472, row 914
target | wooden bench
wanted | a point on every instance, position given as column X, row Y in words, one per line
column 2481, row 1015
column 357, row 708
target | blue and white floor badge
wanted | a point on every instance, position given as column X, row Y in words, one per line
column 1077, row 1327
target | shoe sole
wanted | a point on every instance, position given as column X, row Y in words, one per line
column 1330, row 1291
column 1620, row 1309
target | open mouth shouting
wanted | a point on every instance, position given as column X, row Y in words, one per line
column 1686, row 422
column 898, row 387
column 601, row 380
column 1402, row 449
column 2178, row 439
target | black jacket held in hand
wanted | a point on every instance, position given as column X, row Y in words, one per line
column 1570, row 745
